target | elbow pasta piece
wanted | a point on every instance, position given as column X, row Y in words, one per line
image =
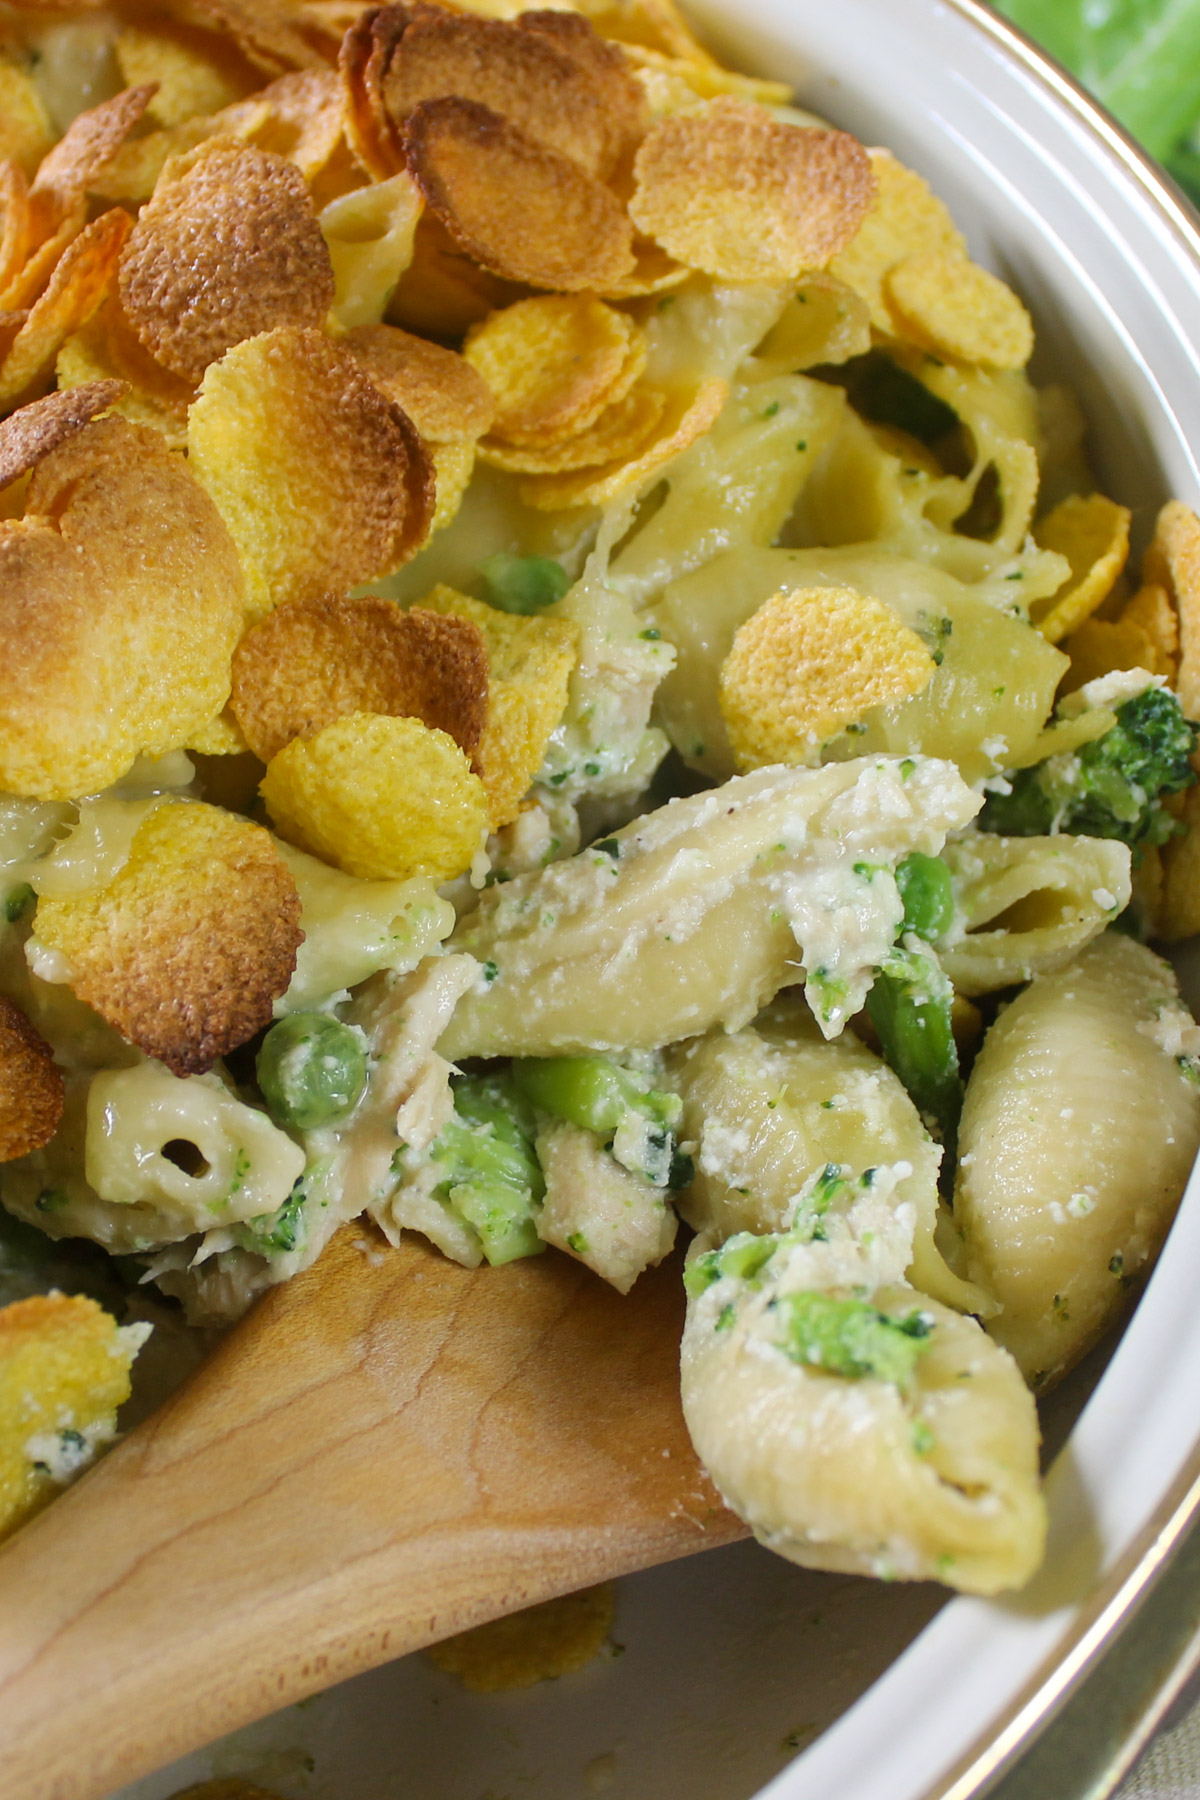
column 937, row 1481
column 769, row 1108
column 1042, row 897
column 704, row 912
column 1081, row 1121
column 602, row 1214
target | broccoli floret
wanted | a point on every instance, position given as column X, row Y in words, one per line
column 909, row 1006
column 851, row 1338
column 1111, row 787
column 490, row 1175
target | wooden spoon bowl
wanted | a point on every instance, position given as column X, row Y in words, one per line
column 385, row 1451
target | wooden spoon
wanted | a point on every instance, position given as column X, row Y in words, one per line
column 388, row 1449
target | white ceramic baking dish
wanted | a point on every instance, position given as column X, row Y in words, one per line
column 735, row 1661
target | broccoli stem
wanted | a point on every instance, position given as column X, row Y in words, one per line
column 490, row 1174
column 637, row 1122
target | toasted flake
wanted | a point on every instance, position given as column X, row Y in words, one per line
column 1101, row 645
column 1179, row 907
column 193, row 76
column 521, row 210
column 617, row 437
column 31, row 1088
column 382, row 798
column 654, row 272
column 131, row 176
column 552, row 363
column 1151, row 611
column 807, row 664
column 32, row 432
column 952, row 306
column 371, row 234
column 64, row 1367
column 686, row 417
column 1092, row 532
column 609, row 75
column 221, row 737
column 105, row 349
column 554, row 85
column 529, row 666
column 14, row 223
column 1172, row 561
column 653, row 24
column 904, row 219
column 442, row 393
column 44, row 254
column 319, row 660
column 228, row 247
column 364, row 60
column 66, row 172
column 322, row 481
column 539, row 1644
column 443, row 292
column 728, row 190
column 185, row 950
column 25, row 130
column 301, row 120
column 78, row 287
column 123, row 602
column 268, row 33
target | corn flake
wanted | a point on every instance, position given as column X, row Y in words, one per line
column 25, row 130
column 1092, row 532
column 652, row 24
column 807, row 664
column 66, row 172
column 553, row 363
column 728, row 190
column 124, row 602
column 298, row 117
column 188, row 946
column 315, row 661
column 31, row 1088
column 364, row 58
column 453, row 466
column 539, row 1644
column 14, row 223
column 192, row 75
column 382, row 798
column 1179, row 907
column 228, row 247
column 563, row 87
column 685, row 418
column 957, row 309
column 672, row 84
column 1172, row 561
column 904, row 219
column 33, row 431
column 618, row 435
column 442, row 393
column 517, row 208
column 64, row 1366
column 269, row 33
column 77, row 288
column 529, row 666
column 322, row 481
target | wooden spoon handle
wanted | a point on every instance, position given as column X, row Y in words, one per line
column 388, row 1449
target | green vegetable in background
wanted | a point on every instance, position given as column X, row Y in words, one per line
column 850, row 1338
column 523, row 584
column 909, row 1006
column 1110, row 787
column 1140, row 58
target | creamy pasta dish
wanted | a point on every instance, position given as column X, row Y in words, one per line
column 562, row 689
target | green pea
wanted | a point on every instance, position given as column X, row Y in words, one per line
column 311, row 1069
column 523, row 584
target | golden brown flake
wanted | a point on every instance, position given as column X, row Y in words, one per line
column 319, row 660
column 269, row 33
column 517, row 208
column 364, row 61
column 31, row 1088
column 540, row 1644
column 1092, row 532
column 123, row 602
column 66, row 171
column 729, row 190
column 14, row 223
column 684, row 418
column 185, row 950
column 617, row 437
column 322, row 481
column 554, row 363
column 33, row 431
column 953, row 307
column 443, row 395
column 193, row 73
column 78, row 287
column 443, row 292
column 904, row 219
column 1172, row 561
column 25, row 130
column 228, row 247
